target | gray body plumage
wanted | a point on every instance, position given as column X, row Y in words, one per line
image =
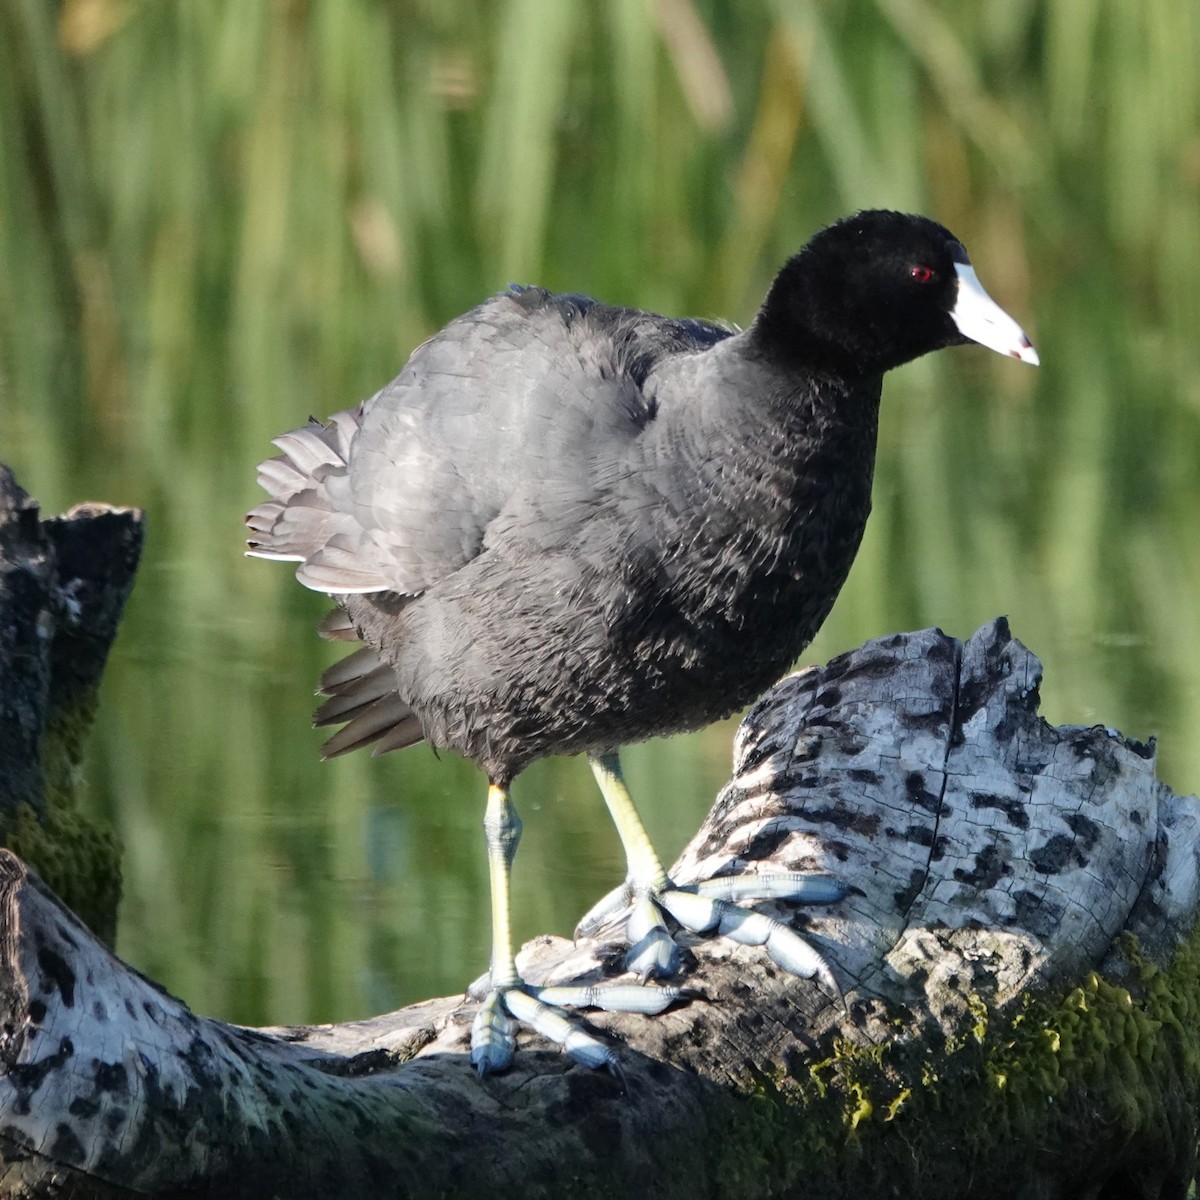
column 587, row 525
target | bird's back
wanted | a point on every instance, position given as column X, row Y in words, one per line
column 524, row 393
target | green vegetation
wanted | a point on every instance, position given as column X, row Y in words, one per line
column 1022, row 1104
column 217, row 218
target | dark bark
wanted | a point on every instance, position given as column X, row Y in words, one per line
column 63, row 585
column 1021, row 980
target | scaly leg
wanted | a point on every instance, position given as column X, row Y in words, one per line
column 652, row 950
column 706, row 907
column 493, row 1035
column 493, row 1038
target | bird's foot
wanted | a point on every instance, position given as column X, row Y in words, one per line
column 493, row 1035
column 712, row 907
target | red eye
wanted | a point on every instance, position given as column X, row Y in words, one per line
column 921, row 273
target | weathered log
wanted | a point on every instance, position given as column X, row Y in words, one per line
column 1021, row 979
column 63, row 585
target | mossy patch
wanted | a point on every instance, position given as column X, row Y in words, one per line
column 77, row 858
column 1093, row 1088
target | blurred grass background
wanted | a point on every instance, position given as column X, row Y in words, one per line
column 217, row 218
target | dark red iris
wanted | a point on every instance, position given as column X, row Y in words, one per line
column 921, row 273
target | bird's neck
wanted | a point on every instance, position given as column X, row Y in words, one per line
column 816, row 451
column 793, row 329
column 787, row 444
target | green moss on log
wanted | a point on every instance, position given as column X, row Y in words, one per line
column 1100, row 1084
column 77, row 858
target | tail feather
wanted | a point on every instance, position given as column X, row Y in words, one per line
column 347, row 670
column 311, row 448
column 345, row 703
column 333, row 568
column 302, row 522
column 262, row 516
column 280, row 477
column 372, row 723
column 361, row 691
column 404, row 733
column 336, row 626
column 286, row 530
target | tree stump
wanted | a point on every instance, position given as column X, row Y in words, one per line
column 1018, row 959
column 63, row 586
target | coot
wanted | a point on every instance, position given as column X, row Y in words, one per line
column 566, row 526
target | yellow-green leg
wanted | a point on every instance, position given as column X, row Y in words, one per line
column 707, row 907
column 644, row 868
column 646, row 894
column 502, row 827
column 492, row 1036
column 652, row 950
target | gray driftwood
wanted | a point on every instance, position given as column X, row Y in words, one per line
column 1020, row 984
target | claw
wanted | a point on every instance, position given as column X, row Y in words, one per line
column 710, row 906
column 493, row 1035
column 592, row 1053
column 652, row 950
column 786, row 947
column 654, row 956
column 790, row 951
column 702, row 913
